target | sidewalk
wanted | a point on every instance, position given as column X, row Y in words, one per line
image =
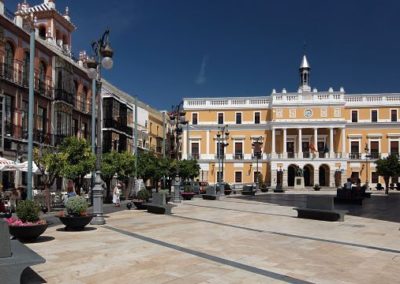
column 228, row 241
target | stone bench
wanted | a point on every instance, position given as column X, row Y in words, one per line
column 14, row 257
column 320, row 208
column 211, row 193
column 159, row 205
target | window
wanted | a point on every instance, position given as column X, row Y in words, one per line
column 195, row 150
column 24, row 114
column 238, row 118
column 219, row 176
column 25, row 70
column 374, row 149
column 238, row 177
column 354, row 150
column 42, row 76
column 42, row 32
column 393, row 115
column 84, row 99
column 257, row 117
column 238, row 150
column 394, row 147
column 41, row 120
column 194, row 119
column 75, row 127
column 374, row 115
column 9, row 114
column 374, row 177
column 220, row 118
column 9, row 61
column 354, row 116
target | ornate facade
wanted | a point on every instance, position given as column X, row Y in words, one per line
column 330, row 135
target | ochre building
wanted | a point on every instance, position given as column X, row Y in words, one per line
column 326, row 137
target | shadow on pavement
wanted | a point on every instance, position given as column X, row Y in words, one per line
column 76, row 231
column 31, row 277
column 380, row 207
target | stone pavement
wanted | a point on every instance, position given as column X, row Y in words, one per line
column 233, row 240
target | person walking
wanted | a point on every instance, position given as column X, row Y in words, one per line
column 116, row 195
column 14, row 198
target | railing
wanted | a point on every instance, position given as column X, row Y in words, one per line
column 355, row 156
column 256, row 156
column 65, row 96
column 306, row 155
column 44, row 86
column 219, row 156
column 19, row 132
column 9, row 15
column 291, row 155
column 374, row 155
column 195, row 156
column 238, row 156
column 111, row 123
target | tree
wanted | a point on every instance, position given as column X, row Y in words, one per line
column 78, row 160
column 188, row 169
column 388, row 168
column 120, row 164
column 50, row 164
column 147, row 166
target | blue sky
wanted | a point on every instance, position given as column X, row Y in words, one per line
column 167, row 50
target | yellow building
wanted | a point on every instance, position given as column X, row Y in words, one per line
column 330, row 136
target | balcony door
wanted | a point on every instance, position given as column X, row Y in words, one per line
column 290, row 149
column 374, row 146
column 238, row 150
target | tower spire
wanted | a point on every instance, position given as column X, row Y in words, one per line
column 304, row 75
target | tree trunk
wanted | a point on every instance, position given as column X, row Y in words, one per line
column 386, row 179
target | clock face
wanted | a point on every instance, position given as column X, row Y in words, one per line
column 308, row 113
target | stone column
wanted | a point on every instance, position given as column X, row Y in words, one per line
column 284, row 179
column 300, row 149
column 284, row 144
column 316, row 141
column 331, row 142
column 273, row 143
column 273, row 177
column 343, row 142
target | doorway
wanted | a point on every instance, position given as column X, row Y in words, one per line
column 308, row 173
column 324, row 175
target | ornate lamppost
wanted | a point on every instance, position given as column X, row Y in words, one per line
column 102, row 58
column 222, row 137
column 177, row 119
column 257, row 154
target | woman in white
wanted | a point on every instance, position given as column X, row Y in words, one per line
column 116, row 194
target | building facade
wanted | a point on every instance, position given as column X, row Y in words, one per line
column 326, row 137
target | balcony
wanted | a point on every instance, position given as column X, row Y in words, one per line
column 219, row 156
column 195, row 156
column 21, row 133
column 354, row 156
column 291, row 155
column 256, row 156
column 65, row 96
column 238, row 156
column 306, row 155
column 111, row 123
column 374, row 155
column 10, row 73
column 44, row 86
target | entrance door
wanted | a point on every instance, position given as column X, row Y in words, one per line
column 308, row 176
column 324, row 175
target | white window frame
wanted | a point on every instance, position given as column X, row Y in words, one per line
column 223, row 118
column 337, row 112
column 390, row 140
column 324, row 112
column 241, row 117
column 397, row 115
column 292, row 113
column 355, row 140
column 241, row 176
column 377, row 115
column 192, row 142
column 375, row 140
column 198, row 120
column 351, row 115
column 254, row 117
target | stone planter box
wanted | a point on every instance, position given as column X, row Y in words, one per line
column 75, row 223
column 27, row 233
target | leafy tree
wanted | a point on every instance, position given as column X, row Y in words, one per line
column 78, row 160
column 388, row 167
column 147, row 166
column 188, row 169
column 50, row 164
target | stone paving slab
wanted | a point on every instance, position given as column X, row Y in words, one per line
column 226, row 241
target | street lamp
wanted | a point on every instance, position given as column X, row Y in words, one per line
column 102, row 58
column 177, row 118
column 367, row 156
column 222, row 136
column 257, row 153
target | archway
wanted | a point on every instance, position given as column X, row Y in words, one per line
column 291, row 174
column 308, row 173
column 324, row 175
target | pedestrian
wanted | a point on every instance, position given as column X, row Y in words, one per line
column 348, row 184
column 116, row 195
column 70, row 189
column 14, row 198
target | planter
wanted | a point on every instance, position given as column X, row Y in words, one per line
column 27, row 233
column 75, row 223
column 187, row 195
column 227, row 192
column 264, row 189
column 140, row 204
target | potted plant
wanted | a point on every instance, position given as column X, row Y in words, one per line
column 379, row 186
column 227, row 189
column 75, row 216
column 28, row 226
column 187, row 193
column 263, row 187
column 142, row 197
column 316, row 187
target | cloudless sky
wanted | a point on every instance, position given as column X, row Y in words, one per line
column 169, row 49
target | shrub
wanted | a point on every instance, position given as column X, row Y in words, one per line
column 187, row 188
column 317, row 187
column 227, row 186
column 143, row 194
column 76, row 205
column 28, row 211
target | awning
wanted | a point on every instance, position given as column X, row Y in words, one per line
column 23, row 167
column 7, row 165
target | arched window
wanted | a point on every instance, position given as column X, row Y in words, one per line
column 25, row 69
column 42, row 76
column 9, row 61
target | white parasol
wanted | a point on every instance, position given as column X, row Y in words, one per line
column 7, row 165
column 23, row 167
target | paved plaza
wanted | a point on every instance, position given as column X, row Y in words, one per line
column 233, row 240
